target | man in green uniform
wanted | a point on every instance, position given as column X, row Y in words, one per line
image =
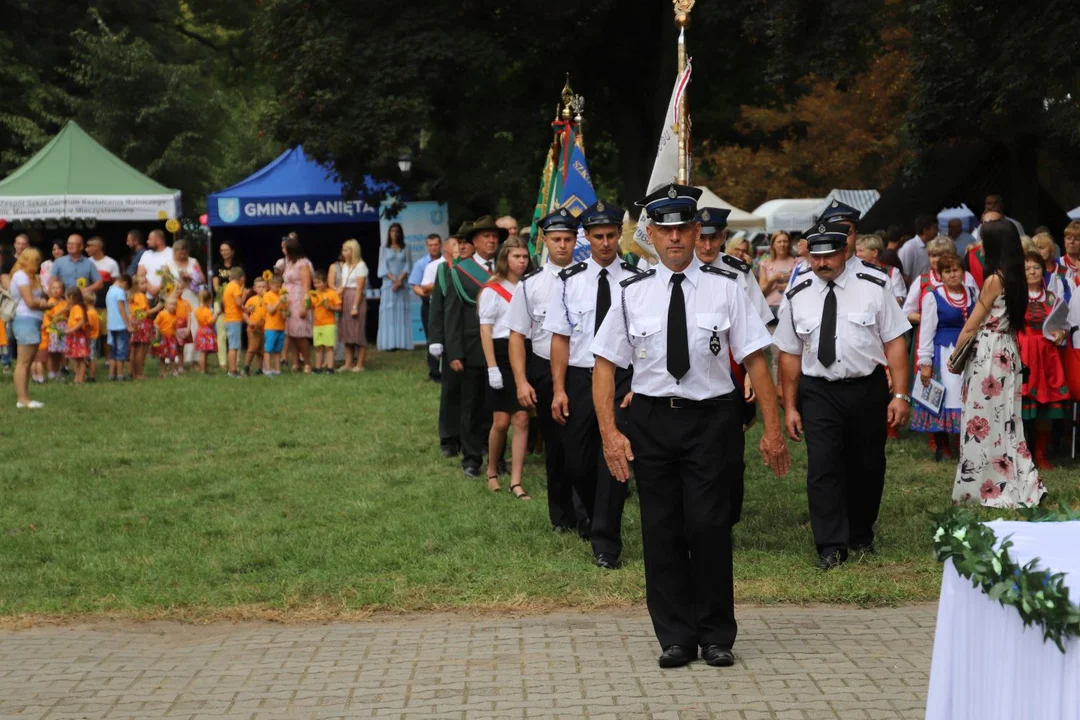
column 450, row 395
column 462, row 338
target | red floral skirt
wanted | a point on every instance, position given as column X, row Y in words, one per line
column 78, row 346
column 144, row 332
column 206, row 339
column 167, row 348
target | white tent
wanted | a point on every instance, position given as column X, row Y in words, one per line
column 789, row 214
column 738, row 219
column 963, row 213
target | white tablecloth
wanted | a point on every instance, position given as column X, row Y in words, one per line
column 986, row 664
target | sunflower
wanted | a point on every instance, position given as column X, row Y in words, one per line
column 267, row 275
column 81, row 282
column 312, row 298
column 169, row 289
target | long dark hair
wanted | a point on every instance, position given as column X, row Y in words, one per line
column 390, row 235
column 1005, row 256
column 293, row 249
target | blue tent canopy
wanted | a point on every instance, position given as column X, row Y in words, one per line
column 292, row 190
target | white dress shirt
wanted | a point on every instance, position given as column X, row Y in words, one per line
column 493, row 308
column 914, row 258
column 535, row 294
column 430, row 271
column 749, row 285
column 718, row 318
column 867, row 317
column 914, row 295
column 575, row 315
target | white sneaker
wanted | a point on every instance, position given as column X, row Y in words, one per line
column 32, row 405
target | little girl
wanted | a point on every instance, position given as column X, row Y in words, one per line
column 53, row 339
column 78, row 345
column 206, row 335
column 184, row 334
column 143, row 333
column 169, row 350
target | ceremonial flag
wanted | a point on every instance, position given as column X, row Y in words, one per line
column 666, row 166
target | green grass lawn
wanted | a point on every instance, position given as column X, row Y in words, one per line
column 324, row 496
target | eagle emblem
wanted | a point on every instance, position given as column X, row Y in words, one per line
column 706, row 216
column 600, row 207
column 672, row 192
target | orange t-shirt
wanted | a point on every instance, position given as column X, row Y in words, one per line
column 76, row 316
column 139, row 303
column 325, row 306
column 166, row 323
column 93, row 323
column 276, row 321
column 230, row 300
column 204, row 316
column 183, row 311
column 256, row 312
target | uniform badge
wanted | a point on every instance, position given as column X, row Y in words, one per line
column 706, row 216
column 600, row 207
column 672, row 192
column 714, row 344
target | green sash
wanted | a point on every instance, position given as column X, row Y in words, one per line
column 471, row 272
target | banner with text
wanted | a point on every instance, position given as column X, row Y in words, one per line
column 98, row 207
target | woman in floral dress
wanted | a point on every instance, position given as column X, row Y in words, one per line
column 298, row 326
column 995, row 467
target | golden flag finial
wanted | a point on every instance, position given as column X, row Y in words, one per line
column 682, row 12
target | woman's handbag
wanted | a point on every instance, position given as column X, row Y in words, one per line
column 961, row 355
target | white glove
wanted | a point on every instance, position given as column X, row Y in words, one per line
column 495, row 378
column 435, row 350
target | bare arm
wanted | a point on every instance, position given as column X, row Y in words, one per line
column 518, row 362
column 790, row 373
column 617, row 451
column 560, row 360
column 488, row 344
column 774, row 450
column 897, row 357
column 990, row 290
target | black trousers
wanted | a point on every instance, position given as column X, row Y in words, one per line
column 432, row 361
column 450, row 410
column 685, row 468
column 610, row 493
column 560, row 488
column 475, row 416
column 845, row 428
column 581, row 438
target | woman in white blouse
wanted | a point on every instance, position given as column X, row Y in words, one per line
column 493, row 305
column 350, row 280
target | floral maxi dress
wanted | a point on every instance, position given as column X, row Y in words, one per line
column 995, row 464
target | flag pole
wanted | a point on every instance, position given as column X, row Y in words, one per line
column 682, row 21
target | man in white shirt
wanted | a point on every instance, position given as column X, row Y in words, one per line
column 913, row 253
column 158, row 254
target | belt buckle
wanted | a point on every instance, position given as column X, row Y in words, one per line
column 675, row 403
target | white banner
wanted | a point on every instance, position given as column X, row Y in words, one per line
column 418, row 220
column 666, row 166
column 99, row 207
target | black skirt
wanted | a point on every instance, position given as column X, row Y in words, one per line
column 505, row 400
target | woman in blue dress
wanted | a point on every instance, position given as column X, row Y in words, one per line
column 395, row 323
column 944, row 310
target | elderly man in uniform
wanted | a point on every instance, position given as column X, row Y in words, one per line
column 836, row 333
column 537, row 294
column 678, row 323
column 450, row 382
column 462, row 339
column 590, row 295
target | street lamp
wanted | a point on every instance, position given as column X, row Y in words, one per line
column 404, row 163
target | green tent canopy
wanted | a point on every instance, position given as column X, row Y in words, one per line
column 74, row 176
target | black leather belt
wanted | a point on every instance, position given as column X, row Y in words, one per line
column 879, row 371
column 676, row 403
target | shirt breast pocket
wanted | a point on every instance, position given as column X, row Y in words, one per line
column 646, row 337
column 710, row 334
column 579, row 314
column 862, row 329
column 807, row 330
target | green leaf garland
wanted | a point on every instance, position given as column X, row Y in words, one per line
column 1040, row 596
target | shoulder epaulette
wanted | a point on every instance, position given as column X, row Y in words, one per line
column 879, row 268
column 740, row 265
column 713, row 270
column 631, row 268
column 640, row 276
column 798, row 288
column 567, row 273
column 872, row 278
column 528, row 275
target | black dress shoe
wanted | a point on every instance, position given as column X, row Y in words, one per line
column 676, row 656
column 560, row 529
column 449, row 451
column 828, row 561
column 717, row 655
column 607, row 561
column 868, row 548
column 472, row 472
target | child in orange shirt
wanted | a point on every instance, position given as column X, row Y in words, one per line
column 206, row 335
column 274, row 327
column 325, row 302
column 51, row 350
column 184, row 334
column 93, row 334
column 255, row 316
column 232, row 306
column 168, row 351
column 78, row 345
column 143, row 334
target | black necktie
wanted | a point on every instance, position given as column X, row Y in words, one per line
column 678, row 350
column 603, row 299
column 487, row 264
column 827, row 339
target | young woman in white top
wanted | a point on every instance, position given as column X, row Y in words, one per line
column 30, row 305
column 493, row 305
column 349, row 278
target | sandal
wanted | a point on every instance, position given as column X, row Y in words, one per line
column 522, row 495
column 494, row 479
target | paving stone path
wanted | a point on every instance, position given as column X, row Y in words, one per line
column 808, row 663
